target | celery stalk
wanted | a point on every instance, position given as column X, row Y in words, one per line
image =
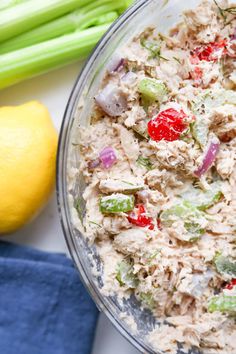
column 32, row 13
column 222, row 303
column 89, row 15
column 4, row 4
column 93, row 12
column 126, row 5
column 97, row 8
column 125, row 275
column 103, row 19
column 25, row 63
column 152, row 90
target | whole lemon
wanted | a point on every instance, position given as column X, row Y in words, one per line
column 28, row 144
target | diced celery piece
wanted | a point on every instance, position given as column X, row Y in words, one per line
column 152, row 90
column 222, row 303
column 147, row 299
column 191, row 217
column 225, row 265
column 110, row 185
column 200, row 130
column 116, row 203
column 203, row 199
column 126, row 276
column 213, row 99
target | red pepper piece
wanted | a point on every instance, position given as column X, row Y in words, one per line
column 168, row 125
column 139, row 218
column 197, row 75
column 212, row 52
column 231, row 285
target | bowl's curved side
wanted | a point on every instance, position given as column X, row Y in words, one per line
column 71, row 236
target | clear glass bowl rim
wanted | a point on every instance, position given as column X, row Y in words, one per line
column 61, row 184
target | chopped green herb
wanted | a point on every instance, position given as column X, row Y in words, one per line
column 177, row 59
column 226, row 11
column 145, row 162
column 220, row 10
column 79, row 208
column 186, row 136
column 231, row 10
column 130, row 184
column 94, row 223
column 154, row 49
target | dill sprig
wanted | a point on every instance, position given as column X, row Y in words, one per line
column 154, row 49
column 94, row 223
column 177, row 59
column 226, row 11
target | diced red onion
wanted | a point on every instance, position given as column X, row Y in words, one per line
column 93, row 164
column 129, row 77
column 209, row 158
column 233, row 36
column 111, row 101
column 108, row 157
column 115, row 64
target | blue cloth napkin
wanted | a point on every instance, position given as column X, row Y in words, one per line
column 44, row 308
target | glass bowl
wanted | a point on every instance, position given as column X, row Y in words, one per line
column 163, row 14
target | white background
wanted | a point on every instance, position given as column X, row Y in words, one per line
column 45, row 232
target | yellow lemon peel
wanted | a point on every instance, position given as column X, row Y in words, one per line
column 28, row 144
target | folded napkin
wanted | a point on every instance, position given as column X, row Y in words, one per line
column 44, row 308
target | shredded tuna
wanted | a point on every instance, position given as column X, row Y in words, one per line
column 161, row 239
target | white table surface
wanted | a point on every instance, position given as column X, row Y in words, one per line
column 45, row 232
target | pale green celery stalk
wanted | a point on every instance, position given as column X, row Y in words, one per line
column 103, row 19
column 96, row 13
column 126, row 5
column 4, row 4
column 89, row 15
column 28, row 62
column 30, row 14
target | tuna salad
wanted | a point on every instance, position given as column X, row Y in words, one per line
column 159, row 162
